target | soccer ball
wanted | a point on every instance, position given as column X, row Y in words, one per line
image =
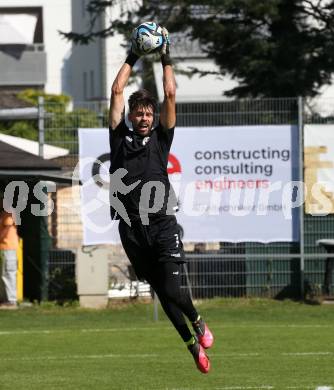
column 147, row 38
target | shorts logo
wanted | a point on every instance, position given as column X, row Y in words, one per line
column 176, row 254
column 176, row 273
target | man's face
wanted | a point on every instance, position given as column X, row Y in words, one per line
column 142, row 119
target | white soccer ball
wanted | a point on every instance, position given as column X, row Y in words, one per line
column 147, row 38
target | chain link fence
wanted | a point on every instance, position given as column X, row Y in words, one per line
column 280, row 269
column 242, row 269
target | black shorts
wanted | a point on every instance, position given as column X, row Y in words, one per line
column 145, row 245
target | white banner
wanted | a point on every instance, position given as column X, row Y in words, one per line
column 98, row 228
column 233, row 183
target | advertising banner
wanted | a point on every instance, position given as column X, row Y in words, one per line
column 232, row 183
column 319, row 169
column 98, row 227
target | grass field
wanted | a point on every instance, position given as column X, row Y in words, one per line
column 260, row 344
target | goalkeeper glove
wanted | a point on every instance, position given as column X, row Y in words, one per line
column 133, row 56
column 165, row 57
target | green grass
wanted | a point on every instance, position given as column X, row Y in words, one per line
column 260, row 344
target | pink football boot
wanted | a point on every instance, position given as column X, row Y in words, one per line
column 201, row 359
column 203, row 333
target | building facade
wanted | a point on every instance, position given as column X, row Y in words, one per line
column 32, row 52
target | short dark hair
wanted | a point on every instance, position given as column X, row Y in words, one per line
column 142, row 98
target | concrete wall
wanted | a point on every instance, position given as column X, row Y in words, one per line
column 85, row 60
column 23, row 67
column 94, row 66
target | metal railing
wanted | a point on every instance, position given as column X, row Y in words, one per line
column 271, row 276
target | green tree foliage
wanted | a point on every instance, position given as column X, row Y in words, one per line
column 29, row 128
column 274, row 48
column 25, row 129
column 51, row 100
column 61, row 124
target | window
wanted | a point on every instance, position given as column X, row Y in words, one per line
column 21, row 25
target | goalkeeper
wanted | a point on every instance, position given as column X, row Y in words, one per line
column 149, row 234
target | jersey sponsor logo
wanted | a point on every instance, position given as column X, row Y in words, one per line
column 145, row 140
column 174, row 165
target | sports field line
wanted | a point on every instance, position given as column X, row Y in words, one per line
column 83, row 357
column 152, row 328
column 254, row 354
column 271, row 388
column 152, row 356
column 91, row 330
column 260, row 387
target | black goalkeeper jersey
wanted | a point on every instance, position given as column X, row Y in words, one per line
column 145, row 158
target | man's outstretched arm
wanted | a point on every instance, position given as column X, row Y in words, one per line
column 168, row 110
column 116, row 111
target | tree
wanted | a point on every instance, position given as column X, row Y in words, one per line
column 274, row 48
column 61, row 124
column 31, row 96
column 28, row 128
